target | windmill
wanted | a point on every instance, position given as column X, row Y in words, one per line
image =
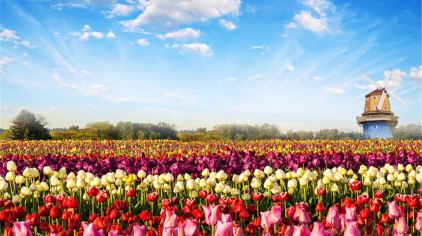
column 377, row 119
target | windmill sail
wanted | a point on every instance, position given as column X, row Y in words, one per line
column 382, row 99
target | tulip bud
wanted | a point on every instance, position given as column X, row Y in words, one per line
column 71, row 184
column 10, row 176
column 19, row 179
column 3, row 186
column 292, row 183
column 11, row 166
column 141, row 174
column 268, row 170
column 205, row 172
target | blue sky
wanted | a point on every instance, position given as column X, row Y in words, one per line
column 197, row 63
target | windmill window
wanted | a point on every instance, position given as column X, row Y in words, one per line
column 375, row 97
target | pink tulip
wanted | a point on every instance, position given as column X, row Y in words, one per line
column 418, row 224
column 190, row 227
column 212, row 213
column 90, row 230
column 301, row 231
column 301, row 216
column 319, row 230
column 226, row 218
column 237, row 231
column 138, row 230
column 352, row 229
column 343, row 222
column 225, row 229
column 394, row 211
column 333, row 218
column 351, row 214
column 21, row 228
column 275, row 214
column 265, row 220
column 113, row 233
column 170, row 231
column 171, row 220
column 400, row 227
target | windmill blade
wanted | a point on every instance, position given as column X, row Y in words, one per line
column 387, row 79
column 371, row 81
column 382, row 99
column 396, row 97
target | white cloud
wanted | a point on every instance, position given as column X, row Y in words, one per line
column 416, row 72
column 333, row 90
column 11, row 36
column 60, row 6
column 170, row 13
column 87, row 89
column 256, row 77
column 6, row 61
column 111, row 35
column 183, row 34
column 307, row 21
column 200, row 48
column 229, row 80
column 121, row 10
column 228, row 25
column 143, row 42
column 317, row 78
column 262, row 46
column 87, row 33
column 290, row 25
column 290, row 68
column 319, row 6
column 395, row 80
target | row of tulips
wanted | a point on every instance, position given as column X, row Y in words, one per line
column 335, row 201
column 231, row 162
column 168, row 148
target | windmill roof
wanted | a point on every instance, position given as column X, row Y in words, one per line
column 375, row 92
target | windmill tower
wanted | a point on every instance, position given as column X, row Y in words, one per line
column 377, row 119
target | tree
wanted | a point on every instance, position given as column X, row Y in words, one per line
column 27, row 127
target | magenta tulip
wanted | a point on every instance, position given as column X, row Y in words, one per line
column 301, row 216
column 138, row 230
column 226, row 218
column 319, row 230
column 333, row 218
column 212, row 213
column 90, row 230
column 301, row 231
column 238, row 231
column 400, row 227
column 351, row 214
column 418, row 224
column 171, row 220
column 275, row 214
column 21, row 228
column 190, row 227
column 265, row 219
column 225, row 229
column 394, row 211
column 170, row 231
column 352, row 229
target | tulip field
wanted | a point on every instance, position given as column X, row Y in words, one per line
column 222, row 188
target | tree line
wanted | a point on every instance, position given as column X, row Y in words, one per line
column 27, row 126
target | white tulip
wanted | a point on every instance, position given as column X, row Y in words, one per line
column 292, row 183
column 255, row 183
column 141, row 174
column 96, row 182
column 219, row 188
column 276, row 190
column 16, row 199
column 166, row 187
column 118, row 182
column 25, row 191
column 211, row 182
column 191, row 184
column 411, row 181
column 3, row 186
column 44, row 187
column 71, row 184
column 246, row 197
column 10, row 176
column 400, row 167
column 247, row 172
column 19, row 179
column 268, row 184
column 82, row 174
column 47, row 170
column 169, row 177
column 176, row 189
column 268, row 170
column 221, row 175
column 187, row 177
column 303, row 181
column 334, row 188
column 404, row 184
column 6, row 195
column 409, row 168
column 235, row 178
column 326, row 180
column 382, row 181
column 397, row 183
column 11, row 166
column 120, row 174
column 280, row 174
column 80, row 183
column 259, row 174
column 205, row 172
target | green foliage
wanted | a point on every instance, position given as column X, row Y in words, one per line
column 27, row 127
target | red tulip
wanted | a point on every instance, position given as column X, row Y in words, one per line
column 101, row 222
column 363, row 199
column 8, row 204
column 102, row 196
column 257, row 197
column 6, row 215
column 93, row 191
column 66, row 214
column 355, row 185
column 131, row 193
column 74, row 221
column 188, row 202
column 152, row 197
column 114, row 214
column 203, row 193
column 385, row 219
column 165, row 203
column 321, row 191
column 413, row 201
column 56, row 212
column 49, row 198
column 374, row 206
column 319, row 207
column 365, row 213
column 212, row 198
column 120, row 205
column 250, row 229
column 244, row 215
column 44, row 210
column 291, row 211
column 34, row 219
column 252, row 209
column 198, row 214
column 70, row 202
column 379, row 194
column 283, row 197
column 145, row 215
column 19, row 212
